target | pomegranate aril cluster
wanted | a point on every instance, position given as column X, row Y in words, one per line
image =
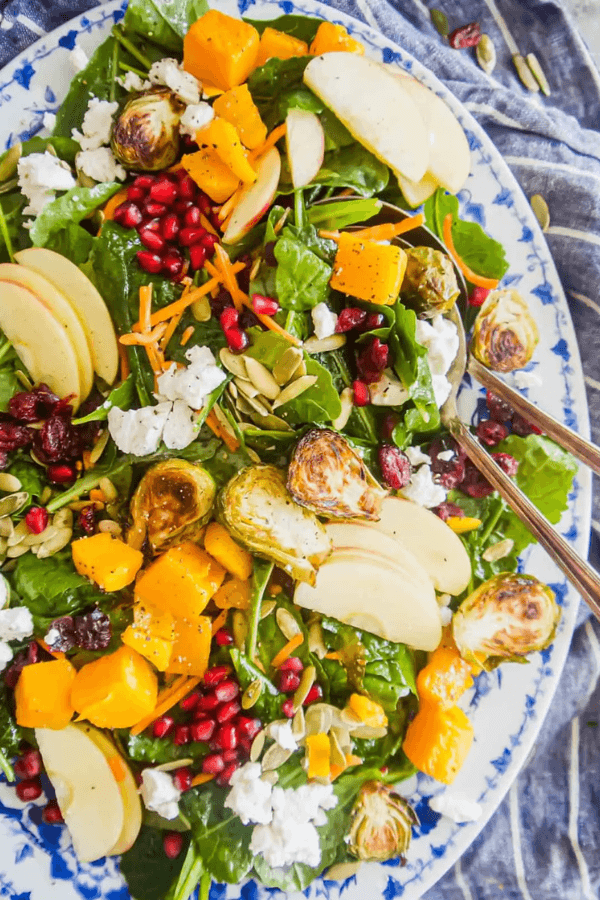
column 28, row 768
column 166, row 210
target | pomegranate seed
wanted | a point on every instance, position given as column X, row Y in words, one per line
column 361, row 393
column 29, row 765
column 128, row 214
column 180, row 206
column 182, row 778
column 446, row 510
column 230, row 756
column 197, row 255
column 189, row 236
column 187, row 188
column 215, row 675
column 163, row 726
column 244, row 746
column 522, row 427
column 164, row 191
column 173, row 844
column 181, row 735
column 154, row 210
column 507, row 463
column 388, row 426
column 51, row 813
column 213, row 763
column 395, row 466
column 228, row 711
column 292, row 664
column 226, row 737
column 315, row 693
column 191, row 217
column 225, row 776
column 500, row 410
column 169, row 226
column 237, row 340
column 203, row 730
column 173, row 263
column 287, row 708
column 188, row 703
column 227, row 690
column 29, row 790
column 247, row 728
column 61, row 474
column 465, row 36
column 264, row 306
column 207, row 703
column 373, row 360
column 229, row 318
column 135, row 193
column 204, row 204
column 149, row 262
column 478, row 296
column 209, row 242
column 223, row 637
column 491, row 433
column 349, row 318
column 149, row 225
column 288, row 682
column 36, row 519
column 152, row 240
column 144, row 182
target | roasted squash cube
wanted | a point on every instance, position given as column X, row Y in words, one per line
column 437, row 741
column 107, row 561
column 43, row 695
column 181, row 581
column 192, row 647
column 222, row 547
column 237, row 107
column 332, row 38
column 234, row 594
column 152, row 634
column 115, row 691
column 368, row 270
column 318, row 752
column 223, row 137
column 368, row 711
column 277, row 44
column 220, row 50
column 211, row 174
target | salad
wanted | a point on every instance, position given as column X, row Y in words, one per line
column 246, row 574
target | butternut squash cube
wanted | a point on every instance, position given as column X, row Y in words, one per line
column 192, row 647
column 437, row 741
column 318, row 752
column 152, row 634
column 368, row 270
column 43, row 695
column 332, row 38
column 115, row 691
column 368, row 711
column 277, row 44
column 234, row 594
column 223, row 137
column 219, row 543
column 211, row 174
column 107, row 561
column 181, row 581
column 237, row 107
column 220, row 49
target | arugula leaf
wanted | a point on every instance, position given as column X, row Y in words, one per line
column 167, row 21
column 121, row 397
column 148, row 872
column 222, row 841
column 71, row 207
column 302, row 27
column 301, row 278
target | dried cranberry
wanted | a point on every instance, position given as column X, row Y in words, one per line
column 29, row 790
column 3, row 459
column 93, row 630
column 478, row 296
column 51, row 814
column 446, row 510
column 222, row 301
column 388, row 425
column 349, row 318
column 29, row 765
column 269, row 255
column 491, row 433
column 36, row 519
column 449, row 473
column 373, row 321
column 33, row 654
column 248, row 319
column 32, row 406
column 58, row 439
column 361, row 393
column 465, row 36
column 13, row 437
column 507, row 463
column 500, row 410
column 61, row 636
column 520, row 426
column 163, row 726
column 395, row 466
column 372, row 361
column 172, row 844
column 87, row 520
column 474, row 484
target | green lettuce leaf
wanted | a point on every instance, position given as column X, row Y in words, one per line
column 302, row 277
column 71, row 207
column 166, row 21
column 222, row 840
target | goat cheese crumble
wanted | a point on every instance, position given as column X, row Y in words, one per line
column 194, row 383
column 15, row 623
column 101, row 165
column 324, row 321
column 172, row 75
column 423, row 490
column 138, row 431
column 131, row 81
column 40, row 176
column 96, row 125
column 440, row 337
column 250, row 796
column 78, row 59
column 524, row 380
column 6, row 655
column 456, row 806
column 281, row 732
column 180, row 428
column 159, row 793
column 417, row 457
column 195, row 117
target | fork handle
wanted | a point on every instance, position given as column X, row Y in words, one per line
column 583, row 450
column 585, row 579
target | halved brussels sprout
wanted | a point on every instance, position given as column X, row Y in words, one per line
column 504, row 619
column 328, row 477
column 145, row 135
column 381, row 823
column 257, row 509
column 505, row 333
column 173, row 501
column 430, row 286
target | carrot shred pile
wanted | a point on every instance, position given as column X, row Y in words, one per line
column 470, row 275
column 168, row 699
column 385, row 232
column 287, row 650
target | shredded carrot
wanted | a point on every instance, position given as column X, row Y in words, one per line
column 117, row 767
column 287, row 650
column 124, row 362
column 170, row 331
column 329, row 235
column 271, row 324
column 155, row 361
column 384, row 232
column 281, row 222
column 174, row 685
column 151, row 337
column 275, row 590
column 55, row 653
column 333, row 655
column 212, row 270
column 202, row 778
column 230, row 204
column 174, row 697
column 270, row 141
column 145, row 306
column 259, row 665
column 207, row 224
column 223, row 263
column 219, row 622
column 108, row 211
column 96, row 494
column 186, row 335
column 470, row 275
column 179, row 306
column 213, row 423
column 230, row 441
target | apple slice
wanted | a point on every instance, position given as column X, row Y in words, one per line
column 62, row 311
column 85, row 301
column 86, row 790
column 368, row 591
column 256, row 198
column 371, row 103
column 40, row 341
column 417, row 192
column 434, row 545
column 305, row 144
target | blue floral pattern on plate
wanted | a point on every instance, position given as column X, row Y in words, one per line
column 506, row 707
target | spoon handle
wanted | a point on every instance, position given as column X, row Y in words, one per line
column 585, row 579
column 583, row 450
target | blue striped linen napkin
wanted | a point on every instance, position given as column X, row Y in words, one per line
column 544, row 841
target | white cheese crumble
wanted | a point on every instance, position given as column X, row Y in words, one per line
column 138, row 431
column 524, row 380
column 40, row 175
column 96, row 125
column 417, row 457
column 78, row 59
column 195, row 117
column 250, row 796
column 440, row 337
column 6, row 655
column 324, row 320
column 456, row 806
column 180, row 428
column 445, row 615
column 446, row 455
column 194, row 383
column 388, row 391
column 159, row 793
column 281, row 732
column 100, row 164
column 49, row 120
column 170, row 73
column 15, row 623
column 423, row 490
column 4, row 592
column 131, row 81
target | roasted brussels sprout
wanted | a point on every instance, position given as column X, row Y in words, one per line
column 430, row 286
column 257, row 509
column 327, row 476
column 504, row 619
column 145, row 135
column 505, row 333
column 173, row 501
column 381, row 822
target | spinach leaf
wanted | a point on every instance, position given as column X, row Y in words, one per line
column 121, row 397
column 362, row 423
column 71, row 207
column 268, row 705
column 9, row 362
column 336, row 134
column 270, row 82
column 301, row 278
column 302, row 27
column 411, row 366
column 11, row 734
column 148, row 872
column 93, row 81
column 222, row 841
column 147, row 749
column 73, row 241
column 167, row 21
column 309, row 237
column 11, row 209
column 31, row 477
column 342, row 213
column 353, row 167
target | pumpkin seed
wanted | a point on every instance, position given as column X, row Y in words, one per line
column 299, row 724
column 274, row 757
column 287, row 364
column 9, row 482
column 234, row 364
column 13, row 503
column 274, row 423
column 267, row 608
column 294, row 389
column 333, row 342
column 281, row 222
column 63, row 517
column 300, row 371
column 347, row 717
column 108, row 489
column 46, row 494
column 246, row 387
column 56, row 543
column 498, row 550
column 232, row 390
column 343, row 871
column 337, row 755
column 541, row 211
column 318, row 718
column 19, row 534
column 287, row 623
column 342, row 736
column 3, row 547
column 316, row 643
column 257, row 746
column 137, row 535
column 306, row 682
column 486, row 54
column 8, row 166
column 262, row 379
column 107, row 526
column 24, row 379
column 15, row 552
column 99, row 447
column 9, row 185
column 538, row 73
column 440, row 22
column 252, row 693
column 31, row 540
column 255, row 268
column 173, row 764
column 525, row 73
column 201, row 310
column 243, row 406
column 6, row 527
column 347, row 402
column 239, row 627
column 369, row 732
column 253, row 455
column 270, row 777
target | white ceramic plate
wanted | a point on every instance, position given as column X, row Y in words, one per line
column 508, row 706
